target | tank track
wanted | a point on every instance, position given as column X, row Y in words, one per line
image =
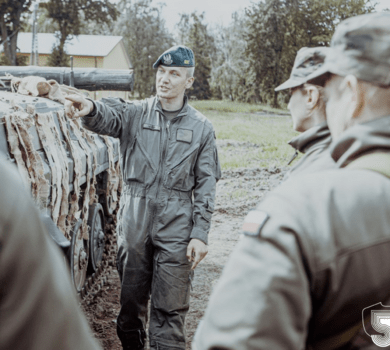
column 95, row 282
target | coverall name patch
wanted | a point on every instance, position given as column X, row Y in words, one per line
column 254, row 222
column 152, row 127
column 184, row 135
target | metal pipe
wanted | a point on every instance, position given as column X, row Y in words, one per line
column 91, row 79
column 34, row 43
column 71, row 72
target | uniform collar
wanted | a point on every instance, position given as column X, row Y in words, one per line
column 361, row 139
column 183, row 111
column 311, row 137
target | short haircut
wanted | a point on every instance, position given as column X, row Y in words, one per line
column 190, row 72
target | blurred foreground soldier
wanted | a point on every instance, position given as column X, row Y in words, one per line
column 169, row 155
column 38, row 306
column 307, row 108
column 315, row 252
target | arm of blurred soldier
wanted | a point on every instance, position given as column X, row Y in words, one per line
column 38, row 305
column 113, row 117
column 262, row 300
column 207, row 173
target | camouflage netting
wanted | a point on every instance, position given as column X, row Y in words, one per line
column 38, row 86
column 64, row 206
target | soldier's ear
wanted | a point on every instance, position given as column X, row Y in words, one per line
column 354, row 95
column 189, row 82
column 313, row 96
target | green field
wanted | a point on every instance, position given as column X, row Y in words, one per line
column 234, row 107
column 268, row 135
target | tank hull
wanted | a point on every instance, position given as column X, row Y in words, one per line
column 68, row 170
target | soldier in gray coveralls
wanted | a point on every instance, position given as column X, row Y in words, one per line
column 170, row 168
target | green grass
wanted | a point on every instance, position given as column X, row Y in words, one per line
column 238, row 194
column 270, row 133
column 234, row 107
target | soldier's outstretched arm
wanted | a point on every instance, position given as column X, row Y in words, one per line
column 262, row 300
column 112, row 117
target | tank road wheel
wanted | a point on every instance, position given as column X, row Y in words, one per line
column 96, row 236
column 78, row 257
column 105, row 198
column 107, row 204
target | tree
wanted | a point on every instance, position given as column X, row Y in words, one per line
column 322, row 17
column 228, row 68
column 58, row 58
column 94, row 28
column 44, row 23
column 145, row 37
column 268, row 25
column 11, row 22
column 277, row 29
column 194, row 34
column 71, row 16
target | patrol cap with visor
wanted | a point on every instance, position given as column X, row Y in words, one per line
column 176, row 56
column 360, row 46
column 308, row 60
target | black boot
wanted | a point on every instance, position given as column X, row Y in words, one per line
column 132, row 340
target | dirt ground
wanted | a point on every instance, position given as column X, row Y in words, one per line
column 238, row 191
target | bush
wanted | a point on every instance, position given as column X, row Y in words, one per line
column 58, row 58
column 20, row 61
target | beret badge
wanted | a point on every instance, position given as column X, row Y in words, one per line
column 168, row 59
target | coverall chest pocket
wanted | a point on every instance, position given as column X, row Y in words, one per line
column 139, row 166
column 181, row 175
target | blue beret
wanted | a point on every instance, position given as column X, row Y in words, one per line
column 176, row 56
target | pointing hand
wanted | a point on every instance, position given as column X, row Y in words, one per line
column 77, row 106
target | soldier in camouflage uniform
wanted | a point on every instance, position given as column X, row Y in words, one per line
column 307, row 107
column 315, row 252
column 38, row 306
column 170, row 168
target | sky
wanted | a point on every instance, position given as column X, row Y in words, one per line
column 216, row 11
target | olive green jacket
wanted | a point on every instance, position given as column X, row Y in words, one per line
column 314, row 255
column 314, row 144
column 38, row 305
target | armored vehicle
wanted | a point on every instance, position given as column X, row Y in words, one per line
column 73, row 174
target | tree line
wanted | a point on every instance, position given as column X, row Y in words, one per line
column 243, row 61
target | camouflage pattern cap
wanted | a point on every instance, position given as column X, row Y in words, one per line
column 360, row 46
column 176, row 56
column 308, row 60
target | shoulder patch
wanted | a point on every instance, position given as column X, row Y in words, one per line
column 254, row 222
column 184, row 135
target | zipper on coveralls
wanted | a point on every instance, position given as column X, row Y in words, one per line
column 293, row 157
column 162, row 162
